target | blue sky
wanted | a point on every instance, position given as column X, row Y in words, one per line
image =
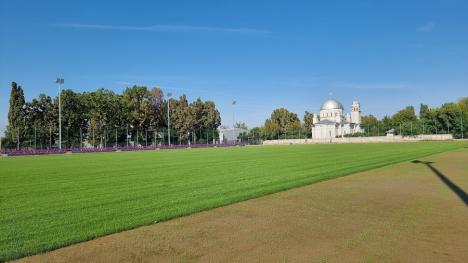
column 263, row 54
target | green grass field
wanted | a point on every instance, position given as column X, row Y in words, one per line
column 48, row 202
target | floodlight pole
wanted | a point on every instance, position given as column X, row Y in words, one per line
column 81, row 139
column 50, row 136
column 233, row 114
column 60, row 81
column 169, row 95
column 116, row 138
column 461, row 127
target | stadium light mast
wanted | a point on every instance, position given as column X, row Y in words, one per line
column 169, row 95
column 461, row 127
column 60, row 82
column 233, row 115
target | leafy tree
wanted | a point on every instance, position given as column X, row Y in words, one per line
column 43, row 121
column 254, row 136
column 199, row 118
column 285, row 120
column 16, row 122
column 405, row 121
column 371, row 125
column 424, row 112
column 182, row 118
column 386, row 124
column 74, row 117
column 212, row 115
column 16, row 105
column 308, row 121
column 136, row 101
column 104, row 115
column 157, row 108
column 271, row 130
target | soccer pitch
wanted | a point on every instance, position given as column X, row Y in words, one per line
column 52, row 201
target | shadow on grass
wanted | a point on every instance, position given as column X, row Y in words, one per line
column 455, row 188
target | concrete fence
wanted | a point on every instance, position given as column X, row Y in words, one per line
column 375, row 139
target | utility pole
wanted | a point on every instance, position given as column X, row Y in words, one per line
column 116, row 138
column 461, row 126
column 169, row 95
column 60, row 82
column 35, row 145
column 233, row 115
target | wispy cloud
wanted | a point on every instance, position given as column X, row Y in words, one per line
column 427, row 27
column 165, row 28
column 372, row 86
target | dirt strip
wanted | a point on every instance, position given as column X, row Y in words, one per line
column 409, row 212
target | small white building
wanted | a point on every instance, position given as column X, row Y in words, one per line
column 332, row 121
column 230, row 135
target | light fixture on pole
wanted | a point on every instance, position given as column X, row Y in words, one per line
column 60, row 82
column 169, row 95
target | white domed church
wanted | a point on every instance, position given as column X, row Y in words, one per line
column 332, row 121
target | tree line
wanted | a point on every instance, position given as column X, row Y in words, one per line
column 449, row 118
column 103, row 117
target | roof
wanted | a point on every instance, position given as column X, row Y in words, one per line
column 331, row 104
column 326, row 122
column 329, row 122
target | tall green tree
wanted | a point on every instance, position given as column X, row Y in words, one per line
column 44, row 120
column 137, row 103
column 16, row 123
column 308, row 121
column 285, row 120
column 16, row 105
column 406, row 122
column 157, row 108
column 371, row 125
column 182, row 118
column 74, row 117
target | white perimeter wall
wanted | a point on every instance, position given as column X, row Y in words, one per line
column 433, row 137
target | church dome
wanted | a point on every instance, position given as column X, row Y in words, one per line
column 331, row 104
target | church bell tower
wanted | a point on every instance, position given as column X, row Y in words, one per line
column 356, row 112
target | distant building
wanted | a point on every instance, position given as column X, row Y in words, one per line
column 333, row 123
column 390, row 132
column 230, row 135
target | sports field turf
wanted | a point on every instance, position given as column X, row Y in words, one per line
column 48, row 202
